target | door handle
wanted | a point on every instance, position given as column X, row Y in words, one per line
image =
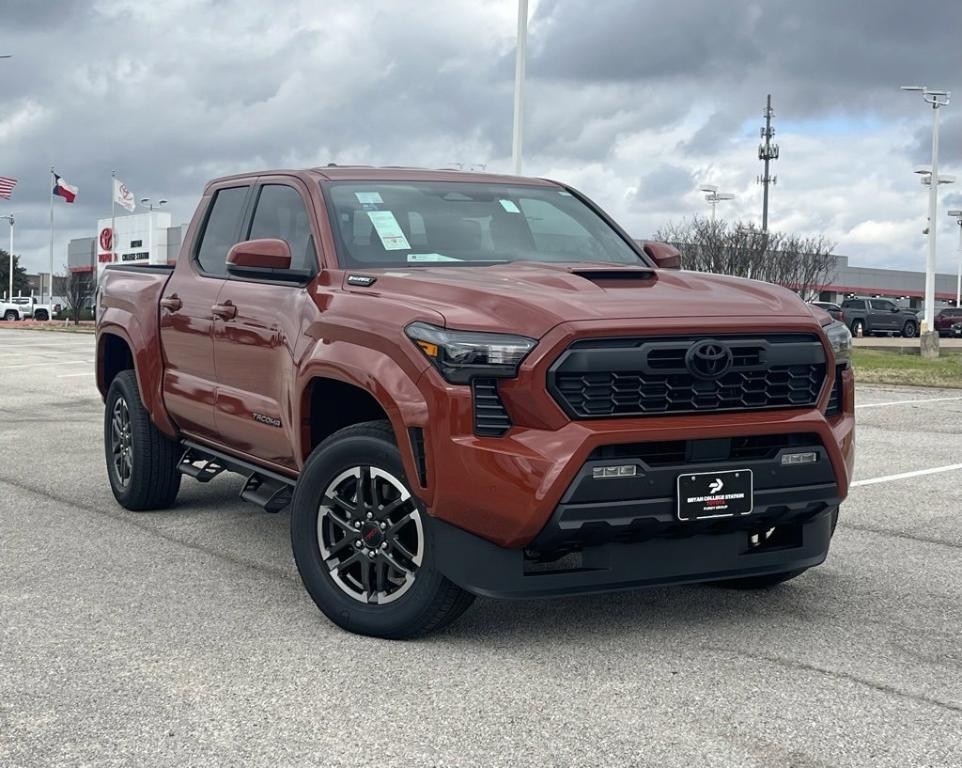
column 171, row 303
column 227, row 310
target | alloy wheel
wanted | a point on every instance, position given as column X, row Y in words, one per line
column 121, row 441
column 370, row 535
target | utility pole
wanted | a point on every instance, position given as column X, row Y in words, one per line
column 767, row 151
column 9, row 218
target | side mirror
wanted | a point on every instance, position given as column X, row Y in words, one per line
column 665, row 256
column 896, row 310
column 261, row 257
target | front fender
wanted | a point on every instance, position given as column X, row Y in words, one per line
column 389, row 381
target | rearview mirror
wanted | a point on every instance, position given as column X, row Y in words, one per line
column 259, row 257
column 665, row 256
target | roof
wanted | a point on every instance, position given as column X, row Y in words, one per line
column 394, row 173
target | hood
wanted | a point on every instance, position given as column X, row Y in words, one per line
column 531, row 298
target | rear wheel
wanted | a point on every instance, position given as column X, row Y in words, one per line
column 9, row 315
column 910, row 329
column 858, row 327
column 41, row 315
column 141, row 460
column 361, row 540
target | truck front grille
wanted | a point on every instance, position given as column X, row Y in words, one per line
column 606, row 378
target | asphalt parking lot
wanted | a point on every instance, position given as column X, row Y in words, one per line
column 184, row 637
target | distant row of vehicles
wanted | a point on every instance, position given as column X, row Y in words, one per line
column 26, row 307
column 868, row 317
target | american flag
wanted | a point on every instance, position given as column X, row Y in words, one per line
column 6, row 186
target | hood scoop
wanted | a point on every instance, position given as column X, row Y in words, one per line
column 613, row 278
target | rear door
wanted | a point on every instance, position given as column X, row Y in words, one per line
column 254, row 349
column 186, row 314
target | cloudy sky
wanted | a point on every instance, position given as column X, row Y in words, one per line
column 636, row 102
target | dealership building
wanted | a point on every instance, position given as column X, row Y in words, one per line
column 139, row 238
column 149, row 238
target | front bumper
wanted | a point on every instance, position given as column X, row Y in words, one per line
column 488, row 570
column 507, row 489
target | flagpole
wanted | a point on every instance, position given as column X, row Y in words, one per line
column 113, row 214
column 51, row 246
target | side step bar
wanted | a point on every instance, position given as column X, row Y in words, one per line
column 267, row 489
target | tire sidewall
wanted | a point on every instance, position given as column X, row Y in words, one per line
column 909, row 330
column 325, row 463
column 122, row 386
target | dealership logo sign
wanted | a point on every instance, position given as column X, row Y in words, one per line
column 106, row 239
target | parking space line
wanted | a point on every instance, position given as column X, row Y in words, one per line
column 46, row 364
column 906, row 475
column 82, row 373
column 908, row 402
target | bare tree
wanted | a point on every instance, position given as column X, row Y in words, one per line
column 79, row 290
column 804, row 264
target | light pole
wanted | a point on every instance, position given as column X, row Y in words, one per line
column 957, row 215
column 714, row 197
column 9, row 217
column 518, row 133
column 150, row 222
column 930, row 338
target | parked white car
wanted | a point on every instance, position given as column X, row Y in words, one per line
column 22, row 307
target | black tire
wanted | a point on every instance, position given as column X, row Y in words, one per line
column 910, row 329
column 151, row 479
column 856, row 326
column 761, row 582
column 10, row 316
column 41, row 315
column 428, row 602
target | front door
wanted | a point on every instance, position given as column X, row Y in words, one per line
column 254, row 342
column 187, row 319
column 884, row 317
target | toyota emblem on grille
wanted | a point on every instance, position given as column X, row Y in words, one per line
column 708, row 359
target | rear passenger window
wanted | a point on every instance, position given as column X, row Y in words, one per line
column 852, row 304
column 222, row 230
column 281, row 214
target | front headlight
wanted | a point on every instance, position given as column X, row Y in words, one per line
column 841, row 340
column 462, row 355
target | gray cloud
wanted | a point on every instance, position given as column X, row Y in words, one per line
column 647, row 96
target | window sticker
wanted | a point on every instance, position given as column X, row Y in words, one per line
column 390, row 232
column 414, row 258
column 368, row 198
column 509, row 206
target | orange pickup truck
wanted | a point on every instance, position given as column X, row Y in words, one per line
column 467, row 384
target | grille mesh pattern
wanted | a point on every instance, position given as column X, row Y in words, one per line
column 659, row 382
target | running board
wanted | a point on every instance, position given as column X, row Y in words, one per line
column 269, row 490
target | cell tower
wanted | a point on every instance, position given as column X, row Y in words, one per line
column 767, row 151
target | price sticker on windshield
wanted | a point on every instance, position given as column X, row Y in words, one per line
column 390, row 232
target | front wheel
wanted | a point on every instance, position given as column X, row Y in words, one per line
column 141, row 460
column 361, row 539
column 41, row 315
column 9, row 315
column 910, row 329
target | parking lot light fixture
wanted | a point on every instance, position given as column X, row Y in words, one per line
column 936, row 99
column 713, row 196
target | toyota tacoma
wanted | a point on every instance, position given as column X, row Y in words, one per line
column 467, row 384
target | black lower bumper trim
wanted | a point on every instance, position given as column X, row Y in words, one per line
column 485, row 569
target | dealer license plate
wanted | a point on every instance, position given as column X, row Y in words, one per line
column 715, row 494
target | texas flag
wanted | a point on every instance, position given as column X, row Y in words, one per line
column 63, row 189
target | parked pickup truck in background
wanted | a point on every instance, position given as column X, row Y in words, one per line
column 22, row 307
column 866, row 317
column 467, row 384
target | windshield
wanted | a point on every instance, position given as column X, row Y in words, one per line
column 391, row 224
